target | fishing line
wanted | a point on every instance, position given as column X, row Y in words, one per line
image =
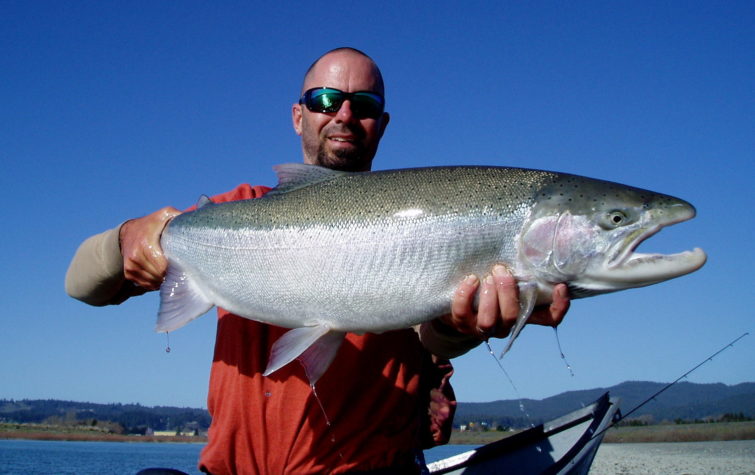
column 328, row 423
column 563, row 357
column 710, row 358
column 516, row 391
column 511, row 382
column 167, row 344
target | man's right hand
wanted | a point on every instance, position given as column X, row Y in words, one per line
column 143, row 261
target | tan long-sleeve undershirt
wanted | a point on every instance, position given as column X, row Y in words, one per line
column 95, row 274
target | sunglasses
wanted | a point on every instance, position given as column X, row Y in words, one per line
column 364, row 104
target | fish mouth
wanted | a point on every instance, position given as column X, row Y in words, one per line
column 640, row 269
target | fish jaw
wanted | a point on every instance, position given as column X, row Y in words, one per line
column 639, row 269
column 622, row 267
column 592, row 247
column 628, row 268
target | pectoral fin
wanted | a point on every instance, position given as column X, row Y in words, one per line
column 527, row 298
column 314, row 347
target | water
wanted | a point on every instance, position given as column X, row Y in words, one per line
column 40, row 457
column 37, row 457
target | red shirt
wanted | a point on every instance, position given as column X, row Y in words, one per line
column 371, row 395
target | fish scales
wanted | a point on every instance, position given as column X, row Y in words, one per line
column 370, row 252
column 296, row 249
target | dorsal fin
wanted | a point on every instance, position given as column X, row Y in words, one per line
column 203, row 201
column 292, row 176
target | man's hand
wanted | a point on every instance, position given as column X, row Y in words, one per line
column 143, row 261
column 498, row 306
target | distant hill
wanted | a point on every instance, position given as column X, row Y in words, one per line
column 686, row 401
column 133, row 418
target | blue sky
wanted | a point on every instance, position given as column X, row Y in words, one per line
column 111, row 110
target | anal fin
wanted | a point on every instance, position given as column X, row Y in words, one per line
column 314, row 347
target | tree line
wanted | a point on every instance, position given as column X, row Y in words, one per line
column 114, row 418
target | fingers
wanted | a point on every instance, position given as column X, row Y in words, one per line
column 144, row 265
column 508, row 300
column 560, row 305
column 143, row 259
column 553, row 314
column 498, row 306
column 462, row 317
column 486, row 319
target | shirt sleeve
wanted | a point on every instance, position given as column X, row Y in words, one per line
column 445, row 342
column 95, row 274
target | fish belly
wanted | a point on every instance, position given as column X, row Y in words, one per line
column 350, row 277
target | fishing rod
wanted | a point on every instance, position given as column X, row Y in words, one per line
column 710, row 358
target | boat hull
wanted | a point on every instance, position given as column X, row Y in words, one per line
column 565, row 445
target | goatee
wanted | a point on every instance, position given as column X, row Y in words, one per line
column 342, row 160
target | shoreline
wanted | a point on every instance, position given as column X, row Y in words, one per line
column 102, row 438
column 706, row 432
column 703, row 432
column 51, row 433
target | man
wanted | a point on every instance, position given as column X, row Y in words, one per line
column 370, row 408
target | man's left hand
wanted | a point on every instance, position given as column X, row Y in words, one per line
column 498, row 306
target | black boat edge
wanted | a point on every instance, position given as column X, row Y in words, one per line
column 565, row 445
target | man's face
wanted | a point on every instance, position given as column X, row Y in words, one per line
column 340, row 140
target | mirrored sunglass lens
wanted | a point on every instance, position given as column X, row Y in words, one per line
column 366, row 105
column 327, row 100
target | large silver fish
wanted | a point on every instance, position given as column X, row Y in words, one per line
column 330, row 252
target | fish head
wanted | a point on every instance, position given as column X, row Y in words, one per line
column 585, row 233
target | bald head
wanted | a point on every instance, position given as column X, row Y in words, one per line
column 339, row 55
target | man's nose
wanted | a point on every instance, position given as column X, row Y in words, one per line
column 345, row 114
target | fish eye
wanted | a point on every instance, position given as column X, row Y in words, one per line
column 614, row 219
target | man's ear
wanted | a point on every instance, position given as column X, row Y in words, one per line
column 383, row 123
column 296, row 115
